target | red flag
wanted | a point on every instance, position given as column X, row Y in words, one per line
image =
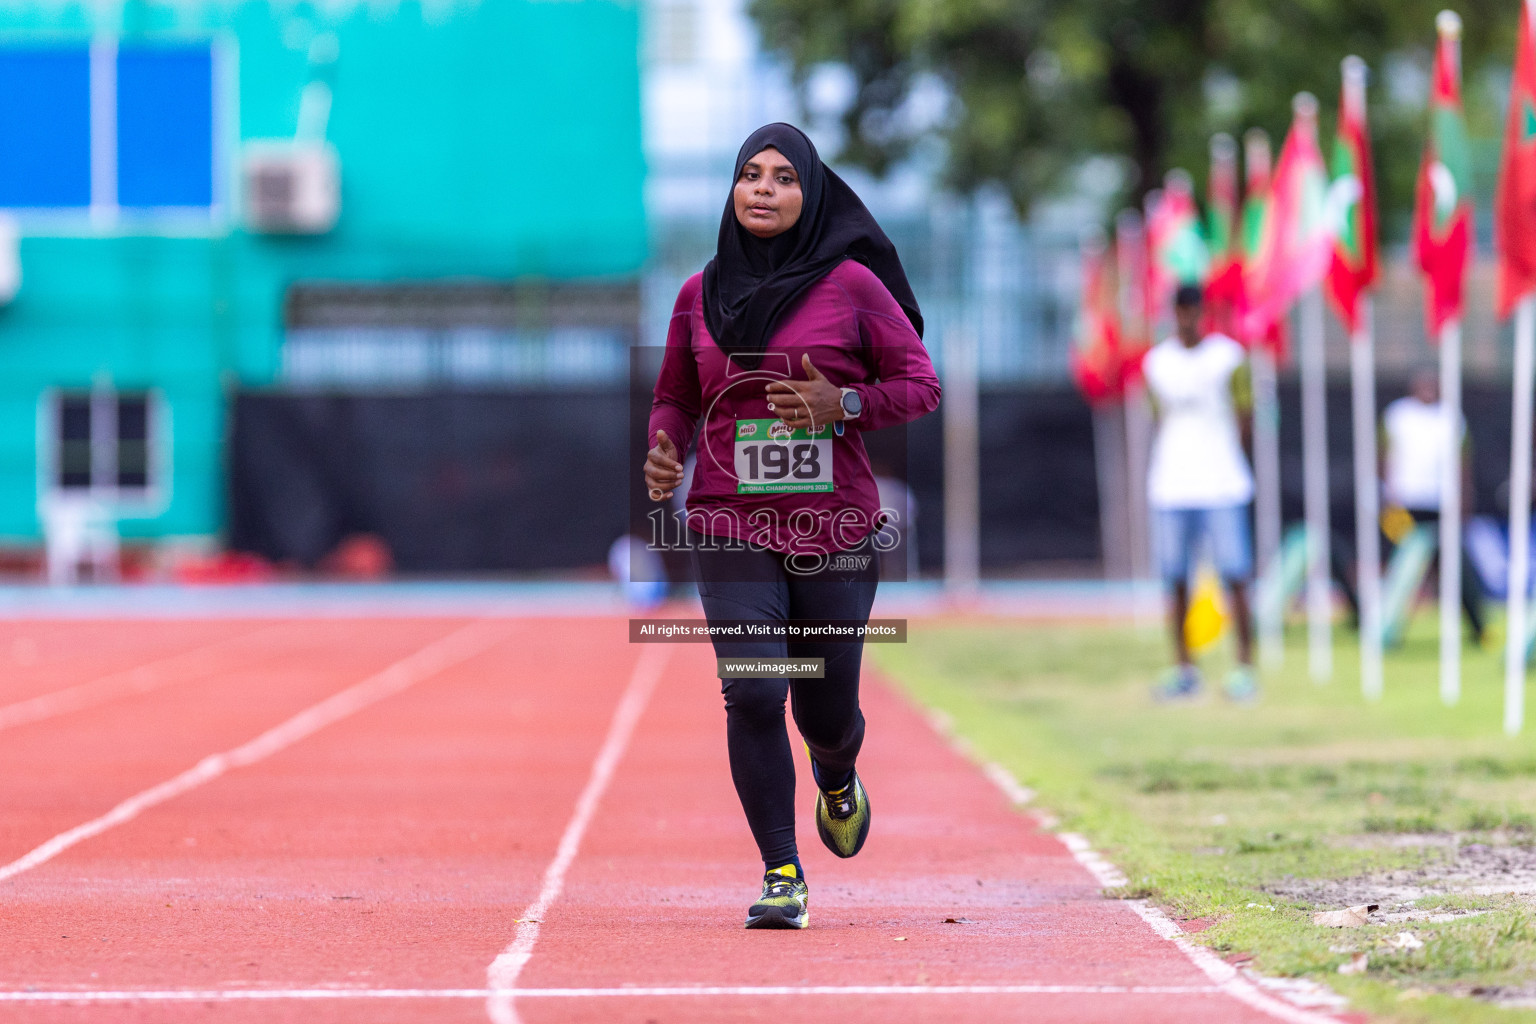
column 1131, row 261
column 1295, row 240
column 1095, row 359
column 1356, row 258
column 1514, row 223
column 1257, row 212
column 1442, row 215
column 1224, row 285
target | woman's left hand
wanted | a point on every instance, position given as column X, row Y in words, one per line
column 808, row 403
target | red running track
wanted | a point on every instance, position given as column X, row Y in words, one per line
column 372, row 859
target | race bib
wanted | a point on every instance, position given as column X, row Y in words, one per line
column 772, row 459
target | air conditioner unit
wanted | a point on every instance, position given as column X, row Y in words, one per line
column 291, row 187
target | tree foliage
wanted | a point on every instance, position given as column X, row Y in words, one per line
column 1038, row 85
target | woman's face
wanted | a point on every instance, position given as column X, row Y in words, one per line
column 767, row 195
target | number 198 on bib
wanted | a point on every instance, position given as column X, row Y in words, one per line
column 771, row 458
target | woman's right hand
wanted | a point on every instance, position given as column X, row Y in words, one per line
column 663, row 471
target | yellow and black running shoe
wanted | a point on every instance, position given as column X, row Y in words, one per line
column 842, row 818
column 784, row 902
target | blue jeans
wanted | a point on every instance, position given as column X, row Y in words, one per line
column 1177, row 534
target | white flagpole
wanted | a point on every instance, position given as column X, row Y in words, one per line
column 1109, row 463
column 1517, row 638
column 1138, row 458
column 1519, row 516
column 1108, row 436
column 1448, row 26
column 1266, row 472
column 962, row 516
column 1266, row 450
column 1450, row 512
column 1362, row 365
column 1314, row 430
column 1362, row 358
column 1130, row 249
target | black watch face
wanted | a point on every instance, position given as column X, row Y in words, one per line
column 852, row 404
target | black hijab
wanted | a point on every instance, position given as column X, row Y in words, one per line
column 752, row 282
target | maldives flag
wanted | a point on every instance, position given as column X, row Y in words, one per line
column 1178, row 252
column 1257, row 221
column 1224, row 285
column 1442, row 215
column 1257, row 212
column 1295, row 240
column 1353, row 199
column 1514, row 223
column 1096, row 356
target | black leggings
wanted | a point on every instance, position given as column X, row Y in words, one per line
column 757, row 585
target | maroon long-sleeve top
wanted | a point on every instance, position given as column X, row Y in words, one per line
column 811, row 492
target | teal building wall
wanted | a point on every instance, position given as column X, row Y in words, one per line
column 493, row 139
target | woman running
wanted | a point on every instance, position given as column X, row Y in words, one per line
column 800, row 333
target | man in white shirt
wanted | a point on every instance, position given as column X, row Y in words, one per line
column 1412, row 458
column 1199, row 485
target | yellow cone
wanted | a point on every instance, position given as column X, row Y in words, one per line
column 1207, row 616
column 1396, row 523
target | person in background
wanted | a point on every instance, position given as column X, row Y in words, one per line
column 1199, row 485
column 1412, row 457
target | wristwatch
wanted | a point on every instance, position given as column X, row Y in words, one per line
column 852, row 404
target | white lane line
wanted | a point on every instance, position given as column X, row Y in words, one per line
column 502, row 975
column 1105, row 873
column 457, row 646
column 1018, row 794
column 1227, row 978
column 653, row 992
column 174, row 668
column 1002, row 778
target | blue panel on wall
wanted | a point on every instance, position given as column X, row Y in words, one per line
column 164, row 126
column 45, row 126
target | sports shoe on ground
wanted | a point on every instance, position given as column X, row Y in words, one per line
column 1242, row 685
column 1182, row 683
column 784, row 902
column 842, row 818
